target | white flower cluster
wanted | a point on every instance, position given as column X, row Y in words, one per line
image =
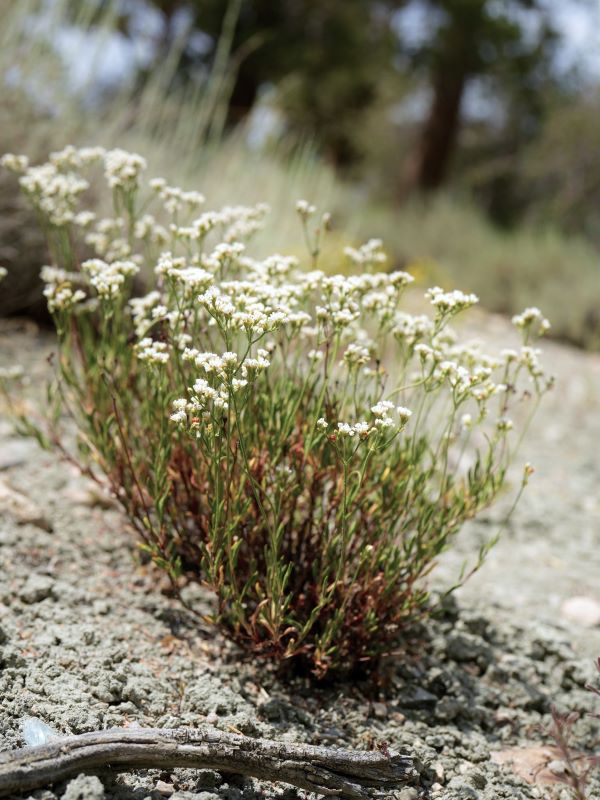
column 274, row 268
column 363, row 430
column 58, row 290
column 253, row 308
column 235, row 223
column 122, row 169
column 12, row 373
column 108, row 239
column 55, row 188
column 190, row 278
column 529, row 358
column 141, row 308
column 61, row 296
column 531, row 320
column 468, row 374
column 368, row 254
column 330, row 333
column 410, row 329
column 357, row 355
column 14, row 163
column 152, row 352
column 345, row 299
column 175, row 199
column 75, row 158
column 450, row 303
column 148, row 229
column 305, row 209
column 53, row 192
column 241, row 222
column 108, row 279
column 227, row 374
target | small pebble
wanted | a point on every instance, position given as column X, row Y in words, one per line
column 22, row 509
column 36, row 589
column 410, row 793
column 84, row 787
column 380, row 710
column 557, row 767
column 36, row 732
column 165, row 789
column 584, row 611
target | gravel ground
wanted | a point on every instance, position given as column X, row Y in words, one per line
column 89, row 637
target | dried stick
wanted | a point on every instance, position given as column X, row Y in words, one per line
column 325, row 770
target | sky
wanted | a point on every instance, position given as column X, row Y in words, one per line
column 578, row 20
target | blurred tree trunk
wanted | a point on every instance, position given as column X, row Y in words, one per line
column 243, row 96
column 441, row 129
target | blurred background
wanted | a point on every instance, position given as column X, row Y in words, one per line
column 464, row 133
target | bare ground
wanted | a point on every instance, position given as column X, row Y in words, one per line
column 89, row 637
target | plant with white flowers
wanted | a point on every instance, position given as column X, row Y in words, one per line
column 293, row 440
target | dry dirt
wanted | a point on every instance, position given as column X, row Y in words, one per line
column 89, row 639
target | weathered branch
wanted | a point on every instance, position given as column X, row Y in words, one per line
column 325, row 770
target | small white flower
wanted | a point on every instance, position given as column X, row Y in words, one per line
column 122, row 169
column 356, row 355
column 305, row 209
column 12, row 373
column 382, row 408
column 532, row 319
column 367, row 254
column 14, row 162
column 61, row 297
column 450, row 303
column 504, row 424
column 404, row 414
column 152, row 352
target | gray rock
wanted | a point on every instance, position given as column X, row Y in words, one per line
column 461, row 789
column 416, row 698
column 273, row 710
column 467, row 647
column 584, row 611
column 181, row 795
column 22, row 509
column 410, row 793
column 84, row 787
column 15, row 452
column 36, row 589
column 476, row 778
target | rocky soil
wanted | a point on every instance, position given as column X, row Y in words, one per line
column 89, row 637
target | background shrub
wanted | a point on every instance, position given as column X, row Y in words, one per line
column 180, row 126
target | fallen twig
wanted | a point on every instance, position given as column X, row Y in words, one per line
column 325, row 770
